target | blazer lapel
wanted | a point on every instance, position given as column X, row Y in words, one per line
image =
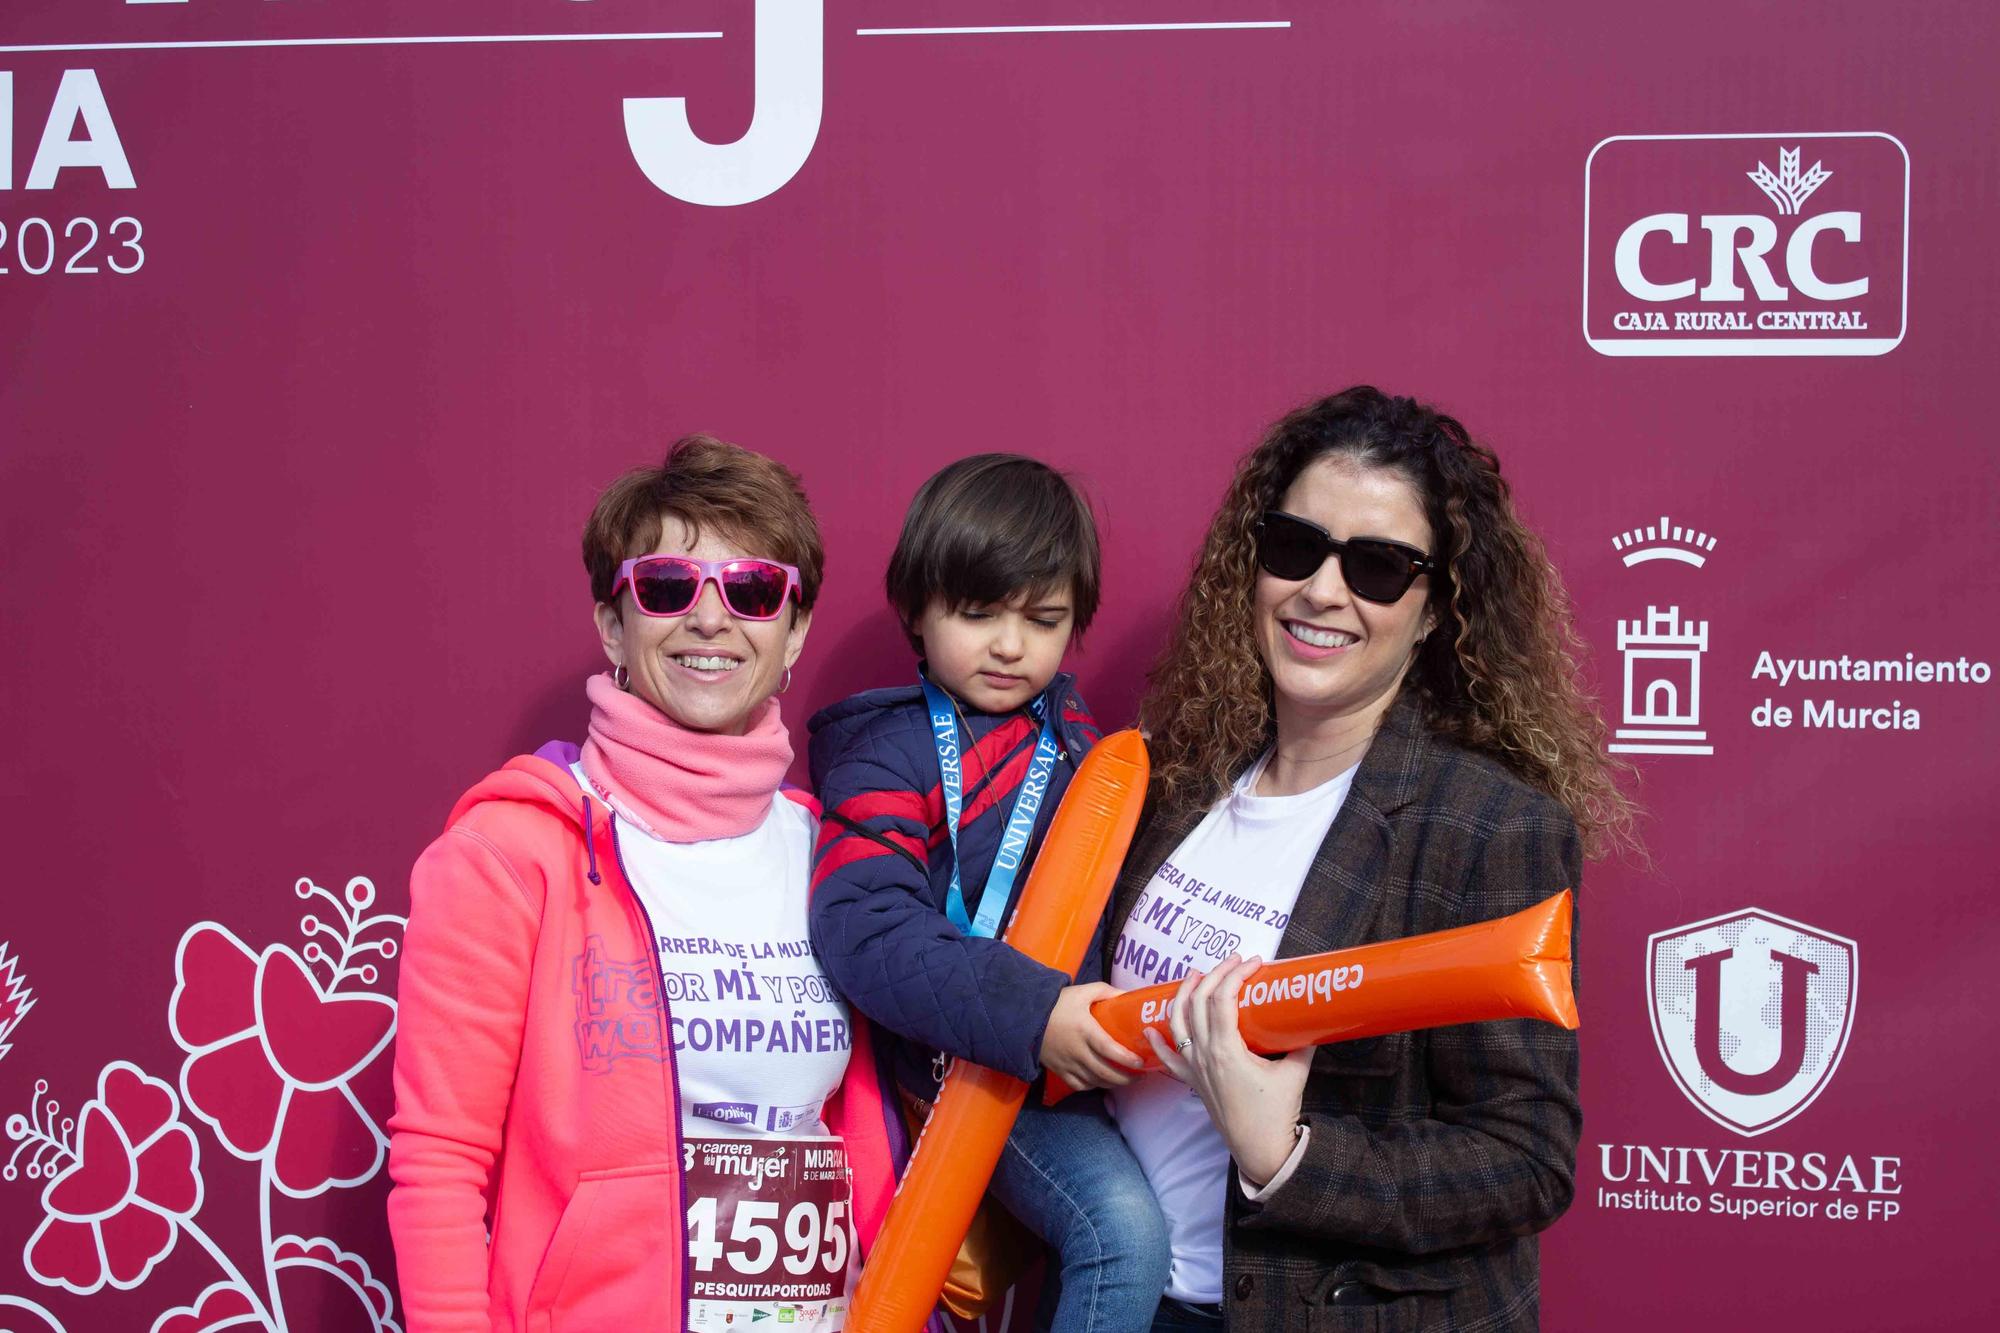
column 1157, row 837
column 1346, row 886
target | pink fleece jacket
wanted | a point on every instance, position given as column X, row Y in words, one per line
column 532, row 1193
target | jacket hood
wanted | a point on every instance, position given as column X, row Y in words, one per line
column 539, row 779
column 542, row 780
column 844, row 718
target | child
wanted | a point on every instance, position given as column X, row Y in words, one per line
column 996, row 568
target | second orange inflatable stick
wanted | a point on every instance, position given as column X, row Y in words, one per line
column 1514, row 967
column 954, row 1158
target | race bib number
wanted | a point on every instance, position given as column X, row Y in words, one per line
column 769, row 1236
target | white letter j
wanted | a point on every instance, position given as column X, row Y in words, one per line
column 783, row 125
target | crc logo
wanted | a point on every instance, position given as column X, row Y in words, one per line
column 1751, row 1012
column 1746, row 244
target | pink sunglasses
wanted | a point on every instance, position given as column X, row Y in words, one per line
column 669, row 585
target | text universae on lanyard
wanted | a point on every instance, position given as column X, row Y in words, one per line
column 1020, row 820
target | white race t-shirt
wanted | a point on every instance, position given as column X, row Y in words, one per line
column 760, row 1035
column 1227, row 889
column 760, row 1041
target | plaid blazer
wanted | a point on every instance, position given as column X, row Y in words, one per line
column 1434, row 1156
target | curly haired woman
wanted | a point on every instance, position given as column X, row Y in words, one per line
column 1367, row 725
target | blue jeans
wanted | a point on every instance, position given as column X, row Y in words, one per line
column 1068, row 1176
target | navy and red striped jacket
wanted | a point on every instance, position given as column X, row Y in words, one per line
column 882, row 871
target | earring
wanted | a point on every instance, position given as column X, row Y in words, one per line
column 785, row 681
column 621, row 677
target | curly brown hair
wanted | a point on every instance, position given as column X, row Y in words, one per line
column 1501, row 678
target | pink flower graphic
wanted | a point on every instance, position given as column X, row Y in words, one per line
column 272, row 1055
column 314, row 1275
column 118, row 1194
column 222, row 1306
column 283, row 1061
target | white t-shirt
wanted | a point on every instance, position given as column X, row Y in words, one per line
column 760, row 1040
column 760, row 1035
column 1227, row 889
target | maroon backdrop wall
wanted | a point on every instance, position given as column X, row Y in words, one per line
column 318, row 351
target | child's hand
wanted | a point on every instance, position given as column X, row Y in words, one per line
column 1077, row 1050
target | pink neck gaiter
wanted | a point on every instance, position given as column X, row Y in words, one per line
column 677, row 784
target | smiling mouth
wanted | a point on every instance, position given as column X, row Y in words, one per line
column 705, row 662
column 1315, row 637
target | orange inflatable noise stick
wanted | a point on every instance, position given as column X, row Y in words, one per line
column 960, row 1145
column 1515, row 967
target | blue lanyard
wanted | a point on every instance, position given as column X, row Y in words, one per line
column 1020, row 820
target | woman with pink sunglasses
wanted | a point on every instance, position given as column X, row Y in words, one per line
column 626, row 1095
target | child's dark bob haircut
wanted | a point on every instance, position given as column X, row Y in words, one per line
column 989, row 528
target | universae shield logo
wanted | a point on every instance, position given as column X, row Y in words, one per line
column 1751, row 1012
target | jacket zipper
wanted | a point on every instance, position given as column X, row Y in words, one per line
column 652, row 952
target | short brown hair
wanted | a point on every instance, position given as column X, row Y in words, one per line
column 989, row 527
column 706, row 483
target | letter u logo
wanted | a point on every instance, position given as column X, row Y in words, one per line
column 783, row 127
column 1793, row 976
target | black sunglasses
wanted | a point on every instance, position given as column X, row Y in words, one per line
column 1292, row 548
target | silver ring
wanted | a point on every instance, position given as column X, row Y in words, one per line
column 1183, row 1044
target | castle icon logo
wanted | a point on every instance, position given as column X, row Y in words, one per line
column 1662, row 712
column 1662, row 652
